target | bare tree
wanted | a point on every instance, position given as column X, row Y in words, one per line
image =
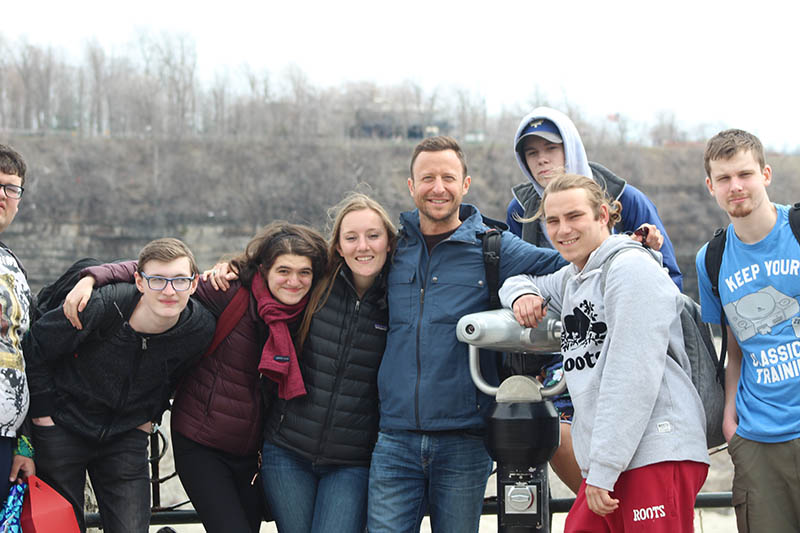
column 666, row 130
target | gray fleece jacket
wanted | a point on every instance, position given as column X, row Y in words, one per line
column 634, row 404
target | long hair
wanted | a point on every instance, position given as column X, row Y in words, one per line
column 595, row 194
column 276, row 239
column 319, row 296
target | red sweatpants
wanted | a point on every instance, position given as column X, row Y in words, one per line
column 657, row 498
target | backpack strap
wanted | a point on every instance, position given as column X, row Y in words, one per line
column 714, row 252
column 230, row 316
column 794, row 220
column 491, row 263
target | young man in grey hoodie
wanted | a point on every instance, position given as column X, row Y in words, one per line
column 639, row 428
column 547, row 145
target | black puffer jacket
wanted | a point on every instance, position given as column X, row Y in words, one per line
column 337, row 421
column 101, row 387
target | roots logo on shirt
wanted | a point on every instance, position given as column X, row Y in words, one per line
column 582, row 328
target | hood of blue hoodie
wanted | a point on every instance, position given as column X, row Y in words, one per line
column 575, row 160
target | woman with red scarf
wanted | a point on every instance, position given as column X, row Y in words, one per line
column 218, row 411
column 317, row 446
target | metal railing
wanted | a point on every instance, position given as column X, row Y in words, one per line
column 170, row 515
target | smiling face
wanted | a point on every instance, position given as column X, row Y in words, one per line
column 289, row 278
column 438, row 185
column 363, row 244
column 545, row 159
column 166, row 305
column 739, row 184
column 573, row 226
column 8, row 206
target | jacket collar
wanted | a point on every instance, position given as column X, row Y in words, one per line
column 471, row 224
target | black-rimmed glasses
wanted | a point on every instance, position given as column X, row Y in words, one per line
column 12, row 191
column 159, row 283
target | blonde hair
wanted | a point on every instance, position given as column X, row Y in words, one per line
column 594, row 193
column 354, row 201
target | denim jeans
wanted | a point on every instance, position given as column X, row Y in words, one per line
column 117, row 468
column 412, row 472
column 309, row 498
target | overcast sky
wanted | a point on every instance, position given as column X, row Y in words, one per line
column 726, row 64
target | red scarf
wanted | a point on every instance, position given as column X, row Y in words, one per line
column 278, row 358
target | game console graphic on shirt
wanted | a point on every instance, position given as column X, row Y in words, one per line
column 758, row 312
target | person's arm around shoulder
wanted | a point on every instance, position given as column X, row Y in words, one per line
column 520, row 257
column 638, row 209
column 76, row 300
column 513, row 210
column 52, row 338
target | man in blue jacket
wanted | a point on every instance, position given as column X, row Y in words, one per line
column 430, row 453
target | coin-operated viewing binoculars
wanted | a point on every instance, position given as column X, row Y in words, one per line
column 523, row 425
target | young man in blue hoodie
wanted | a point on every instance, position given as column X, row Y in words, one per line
column 547, row 145
column 639, row 426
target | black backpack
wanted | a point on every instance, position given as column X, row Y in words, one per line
column 714, row 251
column 52, row 297
column 699, row 346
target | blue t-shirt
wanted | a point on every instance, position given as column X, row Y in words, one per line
column 759, row 285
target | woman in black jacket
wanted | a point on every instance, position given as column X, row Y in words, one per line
column 317, row 447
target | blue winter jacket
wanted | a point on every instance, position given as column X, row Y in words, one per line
column 424, row 381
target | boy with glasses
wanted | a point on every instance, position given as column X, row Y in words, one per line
column 95, row 391
column 15, row 301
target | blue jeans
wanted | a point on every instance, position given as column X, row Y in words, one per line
column 308, row 498
column 445, row 473
column 117, row 468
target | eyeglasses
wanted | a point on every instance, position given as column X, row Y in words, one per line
column 159, row 283
column 12, row 191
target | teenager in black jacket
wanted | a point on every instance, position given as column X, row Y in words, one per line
column 95, row 391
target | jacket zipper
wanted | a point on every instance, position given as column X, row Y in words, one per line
column 341, row 364
column 419, row 334
column 123, row 396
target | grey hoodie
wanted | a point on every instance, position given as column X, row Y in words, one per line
column 634, row 405
column 575, row 160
